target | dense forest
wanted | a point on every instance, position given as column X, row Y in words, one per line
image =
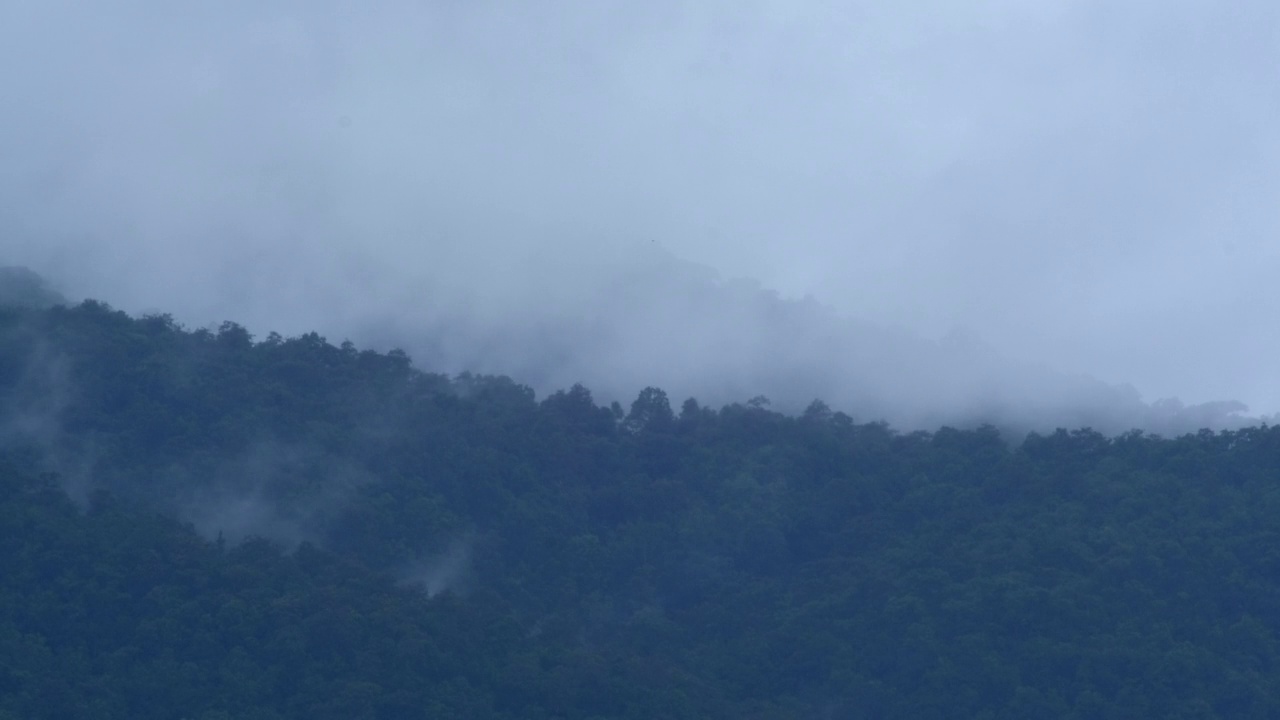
column 197, row 524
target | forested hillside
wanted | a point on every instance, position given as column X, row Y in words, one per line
column 195, row 524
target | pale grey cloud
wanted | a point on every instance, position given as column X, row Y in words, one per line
column 1087, row 185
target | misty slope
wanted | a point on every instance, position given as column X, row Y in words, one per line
column 21, row 287
column 623, row 319
column 648, row 318
column 579, row 561
column 120, row 614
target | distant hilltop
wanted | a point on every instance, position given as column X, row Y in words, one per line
column 22, row 287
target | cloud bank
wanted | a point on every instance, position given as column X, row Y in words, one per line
column 979, row 201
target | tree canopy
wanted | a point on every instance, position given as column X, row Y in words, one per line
column 197, row 524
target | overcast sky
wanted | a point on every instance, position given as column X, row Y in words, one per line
column 1091, row 185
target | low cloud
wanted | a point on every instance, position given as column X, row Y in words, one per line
column 1089, row 188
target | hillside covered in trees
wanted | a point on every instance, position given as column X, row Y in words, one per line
column 195, row 524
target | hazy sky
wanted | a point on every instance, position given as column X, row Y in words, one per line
column 1093, row 185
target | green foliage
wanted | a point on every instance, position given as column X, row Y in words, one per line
column 288, row 528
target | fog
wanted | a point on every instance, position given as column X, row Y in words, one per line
column 1055, row 212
